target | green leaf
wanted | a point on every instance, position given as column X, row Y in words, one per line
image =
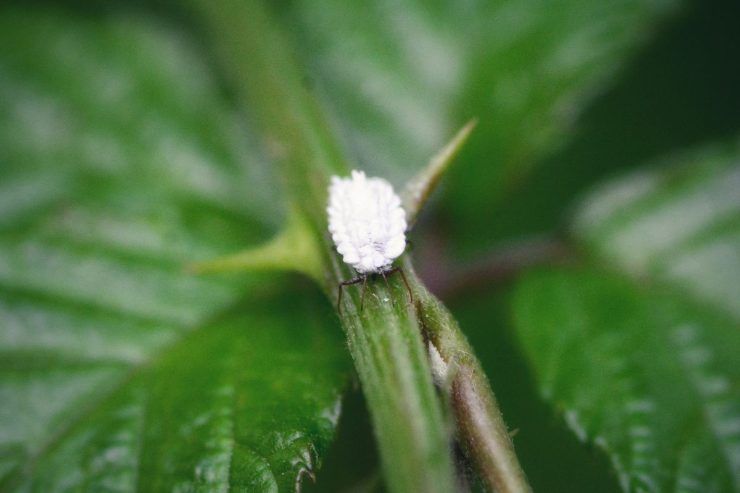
column 678, row 91
column 121, row 160
column 649, row 378
column 398, row 79
column 644, row 365
column 680, row 224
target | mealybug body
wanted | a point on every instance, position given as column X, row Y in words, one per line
column 367, row 225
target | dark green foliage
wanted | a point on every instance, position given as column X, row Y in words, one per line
column 127, row 151
column 645, row 366
column 118, row 371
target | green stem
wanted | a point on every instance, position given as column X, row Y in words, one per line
column 384, row 338
column 479, row 422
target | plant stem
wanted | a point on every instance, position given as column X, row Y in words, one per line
column 384, row 338
column 479, row 422
column 449, row 280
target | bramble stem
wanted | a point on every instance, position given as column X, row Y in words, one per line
column 480, row 425
column 385, row 339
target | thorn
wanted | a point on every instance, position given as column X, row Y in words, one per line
column 420, row 187
column 292, row 249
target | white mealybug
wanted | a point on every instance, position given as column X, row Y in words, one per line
column 366, row 222
column 367, row 225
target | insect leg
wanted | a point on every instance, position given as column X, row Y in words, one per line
column 341, row 286
column 362, row 296
column 405, row 282
column 385, row 278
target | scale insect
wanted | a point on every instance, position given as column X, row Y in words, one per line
column 368, row 227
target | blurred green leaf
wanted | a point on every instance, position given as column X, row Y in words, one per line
column 644, row 365
column 120, row 161
column 678, row 91
column 399, row 79
column 679, row 224
column 352, row 463
column 649, row 378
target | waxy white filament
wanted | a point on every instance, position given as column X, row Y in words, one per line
column 366, row 222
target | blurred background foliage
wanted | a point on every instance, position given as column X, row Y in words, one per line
column 607, row 139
